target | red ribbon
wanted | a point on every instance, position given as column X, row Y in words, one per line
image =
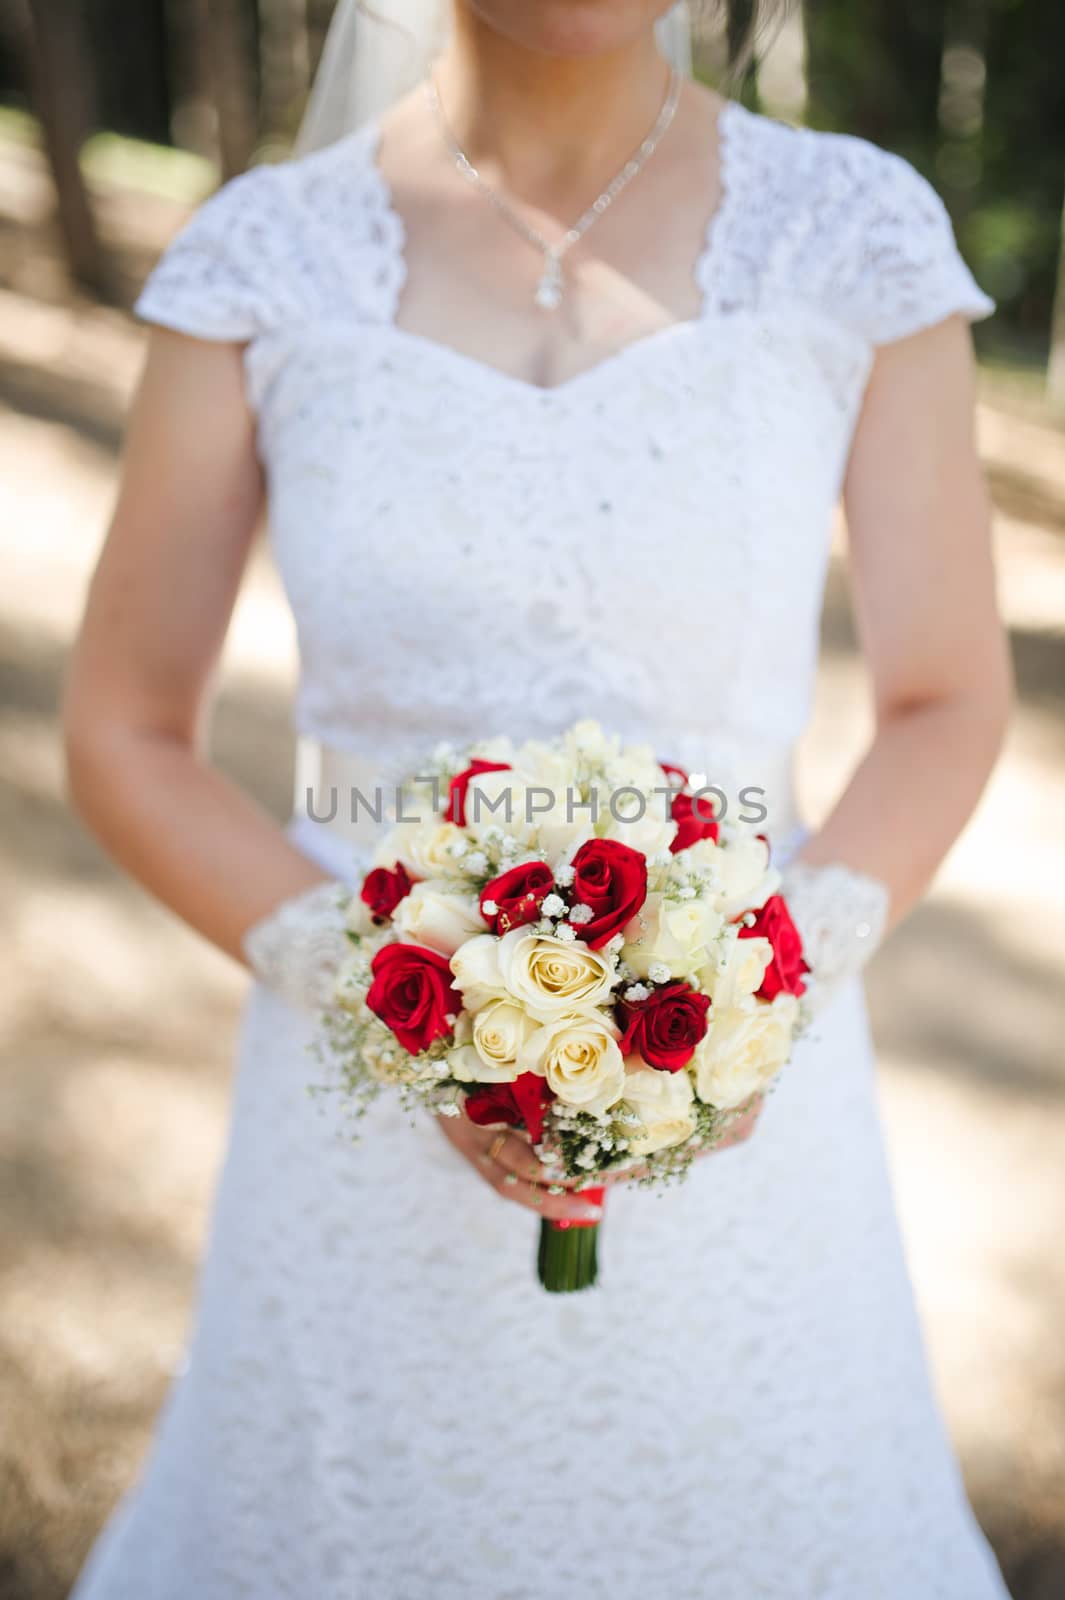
column 594, row 1197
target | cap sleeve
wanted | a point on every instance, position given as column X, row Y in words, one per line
column 904, row 270
column 221, row 276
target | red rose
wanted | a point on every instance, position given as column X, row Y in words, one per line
column 518, row 1104
column 666, row 1027
column 456, row 789
column 413, row 992
column 675, row 772
column 695, row 819
column 385, row 888
column 784, row 973
column 517, row 895
column 611, row 878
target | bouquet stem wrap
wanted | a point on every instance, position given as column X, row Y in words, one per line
column 568, row 1258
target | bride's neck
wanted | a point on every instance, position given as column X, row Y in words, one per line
column 532, row 116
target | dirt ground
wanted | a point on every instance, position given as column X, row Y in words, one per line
column 117, row 1023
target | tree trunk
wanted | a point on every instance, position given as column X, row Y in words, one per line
column 739, row 36
column 226, row 50
column 963, row 82
column 212, row 60
column 62, row 95
column 283, row 66
column 230, row 41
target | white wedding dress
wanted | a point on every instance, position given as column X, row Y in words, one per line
column 380, row 1400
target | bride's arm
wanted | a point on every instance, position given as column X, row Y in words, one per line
column 157, row 613
column 156, row 617
column 923, row 585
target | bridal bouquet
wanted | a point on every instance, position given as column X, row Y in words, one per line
column 569, row 938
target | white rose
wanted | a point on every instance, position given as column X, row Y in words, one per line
column 542, row 764
column 579, row 1057
column 489, row 1054
column 435, row 849
column 638, row 767
column 497, row 800
column 641, row 821
column 427, row 848
column 677, row 934
column 663, row 1102
column 741, row 972
column 587, row 744
column 391, row 848
column 438, row 918
column 475, row 967
column 549, row 805
column 559, row 828
column 358, row 918
column 703, row 853
column 500, row 1031
column 743, row 1051
column 550, row 976
column 746, row 880
column 497, row 749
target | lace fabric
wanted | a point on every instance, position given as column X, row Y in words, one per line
column 380, row 1400
column 840, row 915
column 298, row 948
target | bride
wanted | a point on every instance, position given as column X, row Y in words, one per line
column 551, row 366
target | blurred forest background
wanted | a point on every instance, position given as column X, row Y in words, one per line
column 118, row 116
column 971, row 91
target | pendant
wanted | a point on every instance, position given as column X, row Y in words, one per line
column 549, row 289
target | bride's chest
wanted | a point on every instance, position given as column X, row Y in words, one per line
column 714, row 446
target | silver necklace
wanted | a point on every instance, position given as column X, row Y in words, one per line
column 549, row 289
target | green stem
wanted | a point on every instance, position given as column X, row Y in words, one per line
column 568, row 1258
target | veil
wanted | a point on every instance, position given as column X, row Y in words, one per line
column 375, row 52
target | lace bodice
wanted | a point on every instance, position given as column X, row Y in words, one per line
column 466, row 553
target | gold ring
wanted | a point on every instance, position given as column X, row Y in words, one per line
column 496, row 1146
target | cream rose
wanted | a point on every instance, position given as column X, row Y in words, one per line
column 500, row 1031
column 740, row 974
column 438, row 918
column 491, row 1056
column 663, row 1102
column 435, row 849
column 550, row 976
column 673, row 934
column 743, row 1051
column 579, row 1057
column 430, row 848
column 475, row 966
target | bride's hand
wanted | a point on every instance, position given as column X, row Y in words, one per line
column 740, row 1130
column 743, row 1126
column 504, row 1158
